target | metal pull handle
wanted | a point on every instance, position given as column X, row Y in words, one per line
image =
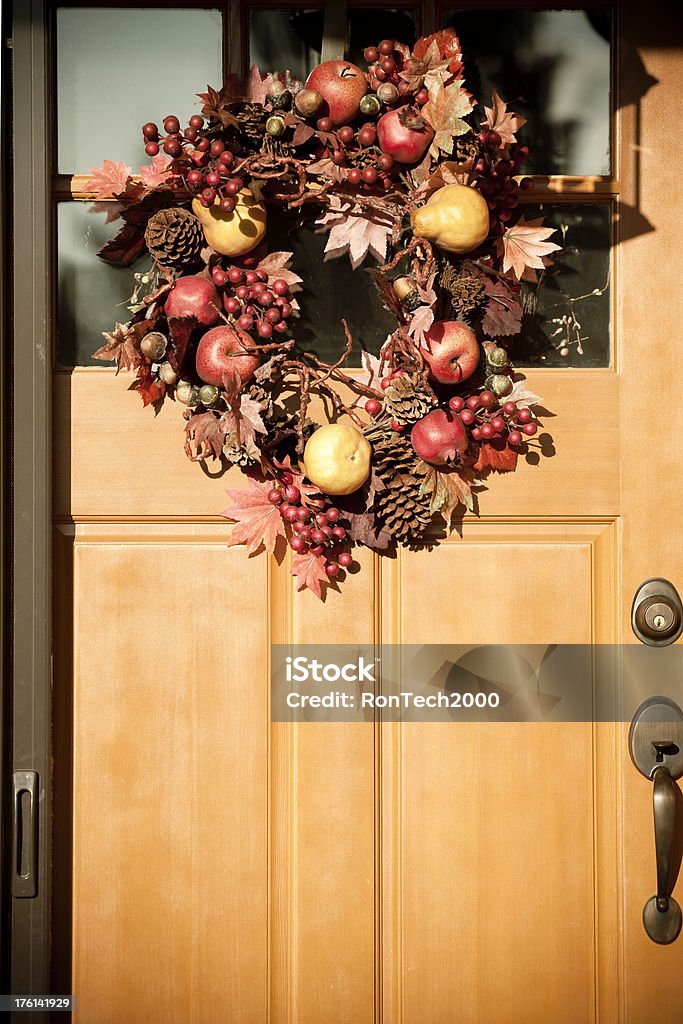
column 664, row 807
column 656, row 747
column 25, row 835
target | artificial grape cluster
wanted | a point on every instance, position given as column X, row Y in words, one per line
column 211, row 175
column 316, row 532
column 254, row 305
column 487, row 419
column 385, row 64
column 496, row 179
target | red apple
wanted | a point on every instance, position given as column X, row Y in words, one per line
column 438, row 437
column 404, row 135
column 194, row 296
column 451, row 351
column 342, row 86
column 215, row 355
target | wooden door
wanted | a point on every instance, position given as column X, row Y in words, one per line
column 225, row 867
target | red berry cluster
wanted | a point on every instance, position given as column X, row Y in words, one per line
column 212, row 160
column 357, row 146
column 487, row 419
column 385, row 64
column 251, row 302
column 496, row 178
column 316, row 532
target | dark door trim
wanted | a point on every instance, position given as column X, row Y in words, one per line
column 30, row 419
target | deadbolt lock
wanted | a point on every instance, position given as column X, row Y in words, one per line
column 657, row 613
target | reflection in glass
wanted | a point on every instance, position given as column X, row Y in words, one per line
column 553, row 67
column 281, row 40
column 567, row 315
column 92, row 295
column 117, row 69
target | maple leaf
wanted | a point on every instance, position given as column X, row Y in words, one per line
column 449, row 489
column 355, row 230
column 503, row 313
column 179, row 330
column 449, row 47
column 445, row 110
column 108, row 180
column 524, row 245
column 150, row 389
column 258, row 521
column 420, row 322
column 429, row 71
column 310, row 572
column 206, row 433
column 123, row 347
column 242, row 422
column 256, row 89
column 276, row 265
column 500, row 120
column 496, row 456
column 216, row 103
column 124, row 248
column 372, row 373
column 159, row 172
column 522, row 396
column 302, row 133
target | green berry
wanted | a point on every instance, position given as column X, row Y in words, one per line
column 275, row 126
column 208, row 395
column 370, row 105
column 497, row 357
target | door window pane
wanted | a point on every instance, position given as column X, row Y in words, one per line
column 567, row 315
column 91, row 295
column 553, row 67
column 117, row 69
column 281, row 40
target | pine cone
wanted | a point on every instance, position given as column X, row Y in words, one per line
column 407, row 399
column 174, row 238
column 252, row 124
column 467, row 290
column 466, row 148
column 400, row 507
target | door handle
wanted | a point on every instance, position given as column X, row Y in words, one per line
column 25, row 834
column 656, row 748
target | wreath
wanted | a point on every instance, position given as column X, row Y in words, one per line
column 397, row 162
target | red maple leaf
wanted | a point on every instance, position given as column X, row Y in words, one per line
column 108, row 180
column 310, row 572
column 503, row 313
column 496, row 456
column 258, row 521
column 150, row 389
column 122, row 347
column 449, row 47
column 205, row 434
column 256, row 89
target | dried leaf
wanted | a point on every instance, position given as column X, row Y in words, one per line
column 276, row 265
column 372, row 373
column 326, row 168
column 159, row 172
column 500, row 120
column 179, row 331
column 386, row 293
column 445, row 109
column 356, row 231
column 256, row 89
column 111, row 210
column 123, row 345
column 448, row 45
column 503, row 313
column 125, row 247
column 108, row 180
column 524, row 245
column 364, row 528
column 429, row 70
column 242, row 422
column 522, row 396
column 258, row 521
column 496, row 456
column 449, row 489
column 420, row 322
column 302, row 134
column 310, row 572
column 150, row 389
column 205, row 429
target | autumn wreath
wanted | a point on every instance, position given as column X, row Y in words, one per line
column 396, row 162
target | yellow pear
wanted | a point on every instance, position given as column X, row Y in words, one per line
column 456, row 218
column 236, row 233
column 337, row 458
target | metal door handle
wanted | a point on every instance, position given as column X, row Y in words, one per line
column 25, row 834
column 655, row 744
